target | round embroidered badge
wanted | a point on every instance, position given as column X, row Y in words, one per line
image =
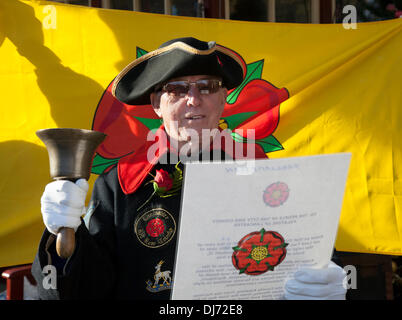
column 155, row 228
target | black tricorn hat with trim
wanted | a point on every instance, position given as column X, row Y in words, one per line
column 177, row 58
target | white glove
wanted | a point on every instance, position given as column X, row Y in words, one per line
column 63, row 204
column 317, row 284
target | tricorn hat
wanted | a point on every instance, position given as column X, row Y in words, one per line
column 177, row 58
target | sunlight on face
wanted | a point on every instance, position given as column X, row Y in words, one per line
column 184, row 116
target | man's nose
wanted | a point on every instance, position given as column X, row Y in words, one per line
column 193, row 96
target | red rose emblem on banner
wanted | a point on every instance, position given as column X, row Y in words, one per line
column 258, row 252
column 254, row 104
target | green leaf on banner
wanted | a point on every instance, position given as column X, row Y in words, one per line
column 269, row 144
column 151, row 124
column 254, row 71
column 140, row 52
column 235, row 120
column 100, row 164
column 238, row 138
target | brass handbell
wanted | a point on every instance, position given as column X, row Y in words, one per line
column 71, row 152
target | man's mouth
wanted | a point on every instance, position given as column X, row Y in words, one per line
column 194, row 117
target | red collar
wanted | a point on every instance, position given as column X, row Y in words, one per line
column 133, row 168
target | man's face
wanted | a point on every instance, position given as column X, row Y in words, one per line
column 193, row 110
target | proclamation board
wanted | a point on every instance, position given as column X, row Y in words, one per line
column 247, row 226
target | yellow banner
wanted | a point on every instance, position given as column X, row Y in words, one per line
column 344, row 96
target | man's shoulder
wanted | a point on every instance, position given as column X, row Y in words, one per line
column 108, row 178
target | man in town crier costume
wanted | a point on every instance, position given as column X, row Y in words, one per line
column 131, row 222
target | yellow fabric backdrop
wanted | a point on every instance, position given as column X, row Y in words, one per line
column 345, row 96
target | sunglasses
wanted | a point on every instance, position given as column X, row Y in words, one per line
column 181, row 88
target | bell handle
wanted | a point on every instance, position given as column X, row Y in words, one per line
column 65, row 242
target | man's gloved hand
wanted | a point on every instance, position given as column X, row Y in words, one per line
column 317, row 284
column 63, row 204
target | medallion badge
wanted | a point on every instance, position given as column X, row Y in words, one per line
column 155, row 228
